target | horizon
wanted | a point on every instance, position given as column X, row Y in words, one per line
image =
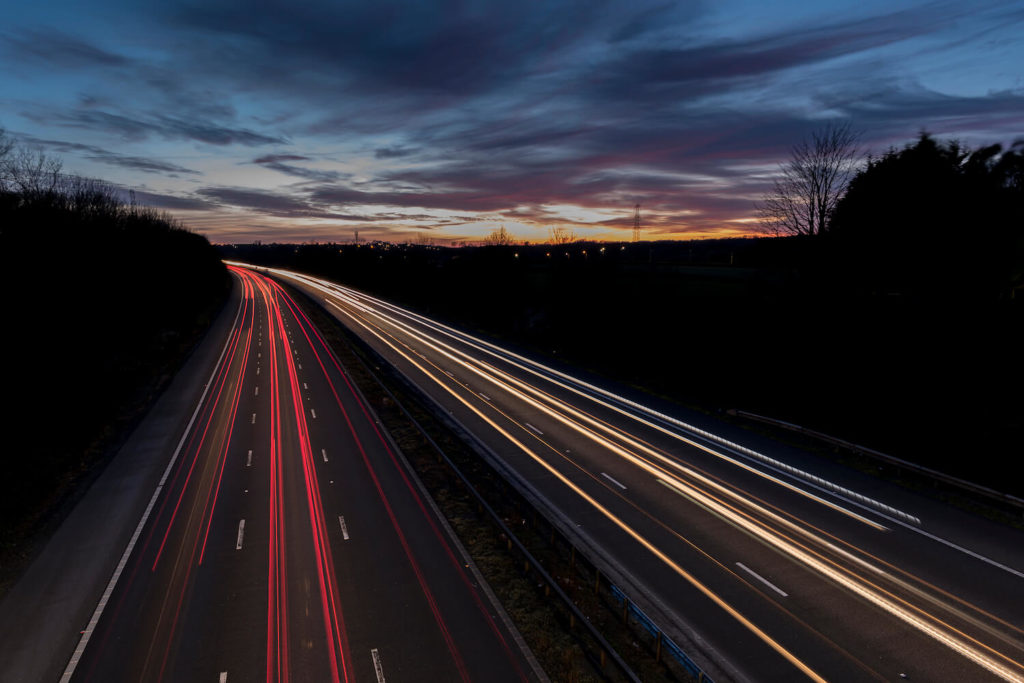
column 439, row 124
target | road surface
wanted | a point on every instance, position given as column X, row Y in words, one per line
column 763, row 564
column 288, row 542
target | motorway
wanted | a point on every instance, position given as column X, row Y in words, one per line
column 288, row 541
column 762, row 566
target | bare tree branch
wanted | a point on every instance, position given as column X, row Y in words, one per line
column 29, row 172
column 810, row 183
column 562, row 235
column 499, row 237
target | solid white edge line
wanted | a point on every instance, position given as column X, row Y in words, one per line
column 83, row 642
column 241, row 533
column 762, row 579
column 613, row 480
column 377, row 667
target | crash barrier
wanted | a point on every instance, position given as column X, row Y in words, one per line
column 664, row 643
column 992, row 495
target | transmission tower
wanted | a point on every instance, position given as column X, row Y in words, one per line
column 636, row 223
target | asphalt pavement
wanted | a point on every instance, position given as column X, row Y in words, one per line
column 762, row 562
column 276, row 535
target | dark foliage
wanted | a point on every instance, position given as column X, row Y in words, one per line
column 101, row 301
column 935, row 220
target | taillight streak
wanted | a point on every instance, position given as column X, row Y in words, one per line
column 329, row 595
column 428, row 594
column 277, row 604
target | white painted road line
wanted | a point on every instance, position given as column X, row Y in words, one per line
column 485, row 397
column 257, row 369
column 613, row 480
column 533, row 428
column 305, row 386
column 300, row 366
column 248, row 460
column 223, row 677
column 762, row 579
column 313, row 413
column 323, row 452
column 254, row 418
column 241, row 532
column 257, row 390
column 344, row 528
column 449, row 374
column 83, row 642
column 377, row 665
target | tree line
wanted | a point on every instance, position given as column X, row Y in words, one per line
column 932, row 218
column 103, row 298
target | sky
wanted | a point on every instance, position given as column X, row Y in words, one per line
column 439, row 121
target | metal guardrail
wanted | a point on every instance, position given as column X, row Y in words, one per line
column 664, row 643
column 999, row 496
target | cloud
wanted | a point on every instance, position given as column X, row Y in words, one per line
column 271, row 203
column 461, row 112
column 141, row 164
column 268, row 202
column 893, row 111
column 210, row 133
column 139, row 128
column 172, row 202
column 276, row 162
column 55, row 48
column 278, row 158
column 408, row 45
column 393, row 152
column 94, row 153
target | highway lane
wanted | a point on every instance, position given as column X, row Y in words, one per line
column 289, row 542
column 784, row 574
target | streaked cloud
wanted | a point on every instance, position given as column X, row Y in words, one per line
column 400, row 115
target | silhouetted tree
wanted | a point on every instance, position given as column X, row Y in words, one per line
column 1010, row 169
column 29, row 172
column 499, row 237
column 561, row 235
column 6, row 144
column 935, row 217
column 810, row 183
